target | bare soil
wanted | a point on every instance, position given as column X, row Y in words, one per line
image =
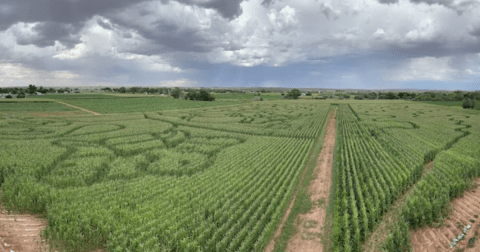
column 278, row 232
column 378, row 237
column 86, row 110
column 465, row 209
column 21, row 232
column 310, row 225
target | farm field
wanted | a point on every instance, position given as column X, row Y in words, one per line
column 211, row 179
column 457, row 104
column 158, row 174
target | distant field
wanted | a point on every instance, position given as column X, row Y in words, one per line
column 452, row 103
column 140, row 104
column 265, row 96
column 72, row 96
column 32, row 106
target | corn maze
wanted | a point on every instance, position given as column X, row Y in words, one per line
column 208, row 179
column 381, row 153
column 220, row 177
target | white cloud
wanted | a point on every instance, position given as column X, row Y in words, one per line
column 74, row 53
column 426, row 68
column 17, row 74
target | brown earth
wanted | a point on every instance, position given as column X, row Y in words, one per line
column 86, row 110
column 21, row 232
column 465, row 208
column 378, row 237
column 310, row 225
column 279, row 230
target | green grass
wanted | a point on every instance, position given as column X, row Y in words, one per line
column 452, row 103
column 141, row 104
column 25, row 106
column 72, row 96
column 249, row 96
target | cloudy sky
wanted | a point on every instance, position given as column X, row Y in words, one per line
column 424, row 44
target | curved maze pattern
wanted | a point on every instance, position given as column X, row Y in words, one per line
column 216, row 179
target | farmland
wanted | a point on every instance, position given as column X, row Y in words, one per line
column 158, row 174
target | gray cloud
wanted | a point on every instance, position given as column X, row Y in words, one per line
column 229, row 9
column 388, row 1
column 459, row 6
column 268, row 2
column 59, row 11
column 474, row 30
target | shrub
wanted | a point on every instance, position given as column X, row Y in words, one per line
column 9, row 96
column 21, row 95
column 468, row 104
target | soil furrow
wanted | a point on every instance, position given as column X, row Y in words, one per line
column 465, row 209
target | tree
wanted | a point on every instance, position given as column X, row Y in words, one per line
column 308, row 94
column 202, row 95
column 176, row 93
column 134, row 90
column 293, row 94
column 391, row 96
column 122, row 90
column 468, row 104
column 32, row 89
column 21, row 95
column 42, row 90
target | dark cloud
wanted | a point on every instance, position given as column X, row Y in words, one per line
column 435, row 49
column 459, row 7
column 474, row 30
column 60, row 11
column 45, row 34
column 268, row 2
column 104, row 24
column 229, row 9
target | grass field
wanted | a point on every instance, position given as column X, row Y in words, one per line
column 457, row 104
column 30, row 106
column 119, row 104
column 158, row 174
column 265, row 96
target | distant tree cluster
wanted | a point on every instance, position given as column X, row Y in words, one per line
column 32, row 90
column 420, row 96
column 199, row 95
column 293, row 94
column 366, row 96
column 468, row 104
column 448, row 96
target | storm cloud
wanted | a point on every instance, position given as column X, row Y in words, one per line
column 165, row 41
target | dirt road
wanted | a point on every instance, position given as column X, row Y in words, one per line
column 310, row 225
column 86, row 110
column 20, row 233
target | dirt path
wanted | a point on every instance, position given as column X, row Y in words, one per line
column 86, row 110
column 465, row 208
column 20, row 232
column 378, row 237
column 329, row 134
column 310, row 225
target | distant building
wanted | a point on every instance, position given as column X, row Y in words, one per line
column 38, row 93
